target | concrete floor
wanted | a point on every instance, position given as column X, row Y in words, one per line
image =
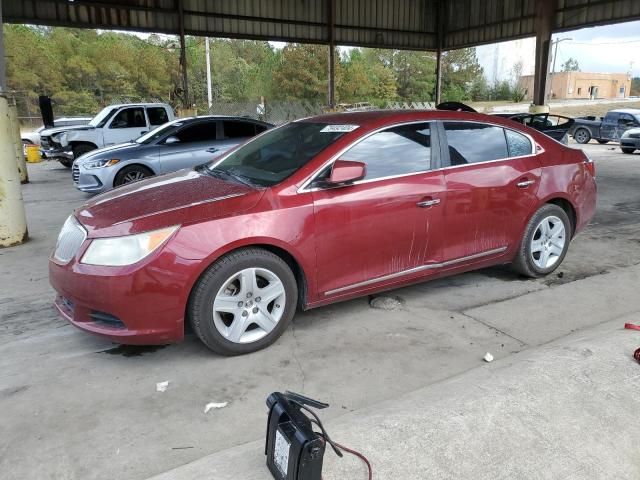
column 84, row 409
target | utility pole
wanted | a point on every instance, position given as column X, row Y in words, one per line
column 555, row 51
column 208, row 54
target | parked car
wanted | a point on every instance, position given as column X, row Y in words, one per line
column 113, row 125
column 182, row 143
column 555, row 126
column 33, row 137
column 314, row 212
column 608, row 128
column 630, row 140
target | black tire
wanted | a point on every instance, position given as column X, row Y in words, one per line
column 523, row 262
column 81, row 149
column 200, row 308
column 603, row 142
column 582, row 135
column 130, row 174
column 66, row 162
column 627, row 150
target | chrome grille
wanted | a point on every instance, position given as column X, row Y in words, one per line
column 70, row 239
column 75, row 172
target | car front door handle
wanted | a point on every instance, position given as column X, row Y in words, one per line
column 525, row 183
column 143, row 132
column 212, row 150
column 428, row 203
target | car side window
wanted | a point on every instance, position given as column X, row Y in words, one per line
column 626, row 120
column 129, row 118
column 395, row 151
column 475, row 142
column 198, row 132
column 157, row 116
column 518, row 144
column 611, row 117
column 238, row 129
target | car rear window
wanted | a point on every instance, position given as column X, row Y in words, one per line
column 518, row 144
column 238, row 129
column 157, row 115
column 471, row 142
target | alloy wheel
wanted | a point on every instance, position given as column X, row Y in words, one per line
column 249, row 305
column 581, row 136
column 133, row 176
column 548, row 242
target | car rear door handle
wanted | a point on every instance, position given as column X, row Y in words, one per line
column 212, row 150
column 525, row 183
column 428, row 203
column 143, row 132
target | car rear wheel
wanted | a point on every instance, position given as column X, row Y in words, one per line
column 628, row 150
column 545, row 242
column 602, row 142
column 582, row 135
column 243, row 302
column 66, row 162
column 131, row 174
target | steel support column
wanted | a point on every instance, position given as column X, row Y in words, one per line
column 183, row 57
column 438, row 76
column 331, row 70
column 440, row 13
column 545, row 17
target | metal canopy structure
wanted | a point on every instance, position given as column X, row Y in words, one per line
column 429, row 25
column 402, row 24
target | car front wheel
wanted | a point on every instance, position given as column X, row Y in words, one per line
column 131, row 174
column 545, row 242
column 243, row 302
column 628, row 150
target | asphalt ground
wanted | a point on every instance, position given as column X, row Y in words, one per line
column 75, row 406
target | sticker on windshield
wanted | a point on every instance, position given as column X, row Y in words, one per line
column 339, row 128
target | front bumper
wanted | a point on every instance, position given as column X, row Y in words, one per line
column 629, row 142
column 56, row 153
column 141, row 304
column 95, row 180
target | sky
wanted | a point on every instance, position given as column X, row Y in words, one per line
column 609, row 49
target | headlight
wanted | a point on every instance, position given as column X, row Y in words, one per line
column 119, row 251
column 107, row 162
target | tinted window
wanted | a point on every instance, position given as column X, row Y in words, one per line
column 157, row 115
column 395, row 151
column 272, row 157
column 129, row 118
column 474, row 142
column 199, row 132
column 626, row 119
column 611, row 117
column 260, row 128
column 518, row 144
column 235, row 129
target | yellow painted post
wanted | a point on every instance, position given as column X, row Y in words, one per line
column 17, row 142
column 13, row 222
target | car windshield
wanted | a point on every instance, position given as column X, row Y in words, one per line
column 158, row 132
column 102, row 116
column 278, row 153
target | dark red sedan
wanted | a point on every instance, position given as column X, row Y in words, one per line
column 314, row 212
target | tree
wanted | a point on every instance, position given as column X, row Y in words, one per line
column 571, row 65
column 460, row 68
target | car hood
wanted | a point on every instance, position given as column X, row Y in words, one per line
column 629, row 131
column 52, row 131
column 110, row 151
column 185, row 196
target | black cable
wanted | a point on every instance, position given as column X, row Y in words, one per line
column 355, row 453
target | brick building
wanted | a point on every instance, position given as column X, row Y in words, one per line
column 584, row 85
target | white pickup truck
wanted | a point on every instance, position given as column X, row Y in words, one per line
column 113, row 125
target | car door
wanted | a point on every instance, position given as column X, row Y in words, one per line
column 192, row 144
column 609, row 126
column 492, row 175
column 389, row 224
column 157, row 116
column 126, row 125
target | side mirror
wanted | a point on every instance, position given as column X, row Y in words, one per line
column 346, row 171
column 171, row 139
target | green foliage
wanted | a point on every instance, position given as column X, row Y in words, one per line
column 571, row 65
column 83, row 70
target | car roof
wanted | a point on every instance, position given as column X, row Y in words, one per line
column 219, row 117
column 632, row 111
column 140, row 104
column 377, row 117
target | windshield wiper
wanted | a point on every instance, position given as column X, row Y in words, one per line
column 230, row 174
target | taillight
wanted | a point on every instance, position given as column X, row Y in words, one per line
column 590, row 165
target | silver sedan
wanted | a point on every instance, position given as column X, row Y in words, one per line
column 182, row 143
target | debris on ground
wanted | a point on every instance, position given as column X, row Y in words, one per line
column 488, row 357
column 387, row 303
column 212, row 405
column 636, row 355
column 631, row 326
column 162, row 386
